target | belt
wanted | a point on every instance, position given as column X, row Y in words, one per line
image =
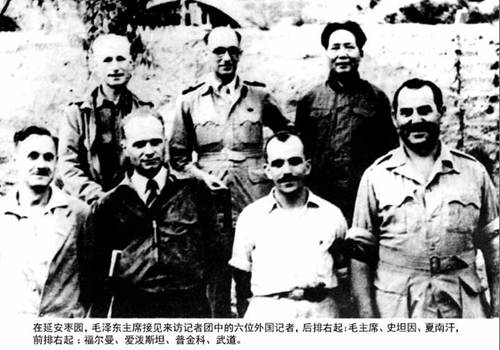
column 228, row 154
column 432, row 264
column 315, row 294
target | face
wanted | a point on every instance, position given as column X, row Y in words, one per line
column 224, row 52
column 418, row 119
column 144, row 145
column 286, row 165
column 112, row 60
column 36, row 161
column 343, row 52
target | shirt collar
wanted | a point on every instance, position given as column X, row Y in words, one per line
column 97, row 97
column 400, row 162
column 271, row 203
column 139, row 182
column 333, row 81
column 11, row 202
column 214, row 85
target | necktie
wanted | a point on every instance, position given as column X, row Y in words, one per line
column 152, row 188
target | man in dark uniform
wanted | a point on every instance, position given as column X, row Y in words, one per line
column 346, row 124
column 157, row 239
column 90, row 159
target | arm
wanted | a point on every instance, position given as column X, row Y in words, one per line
column 362, row 247
column 243, row 292
column 492, row 263
column 487, row 239
column 73, row 167
column 386, row 134
column 182, row 143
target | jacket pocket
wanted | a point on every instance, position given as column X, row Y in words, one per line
column 399, row 211
column 462, row 212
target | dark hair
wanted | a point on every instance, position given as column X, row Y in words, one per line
column 281, row 136
column 23, row 134
column 141, row 112
column 416, row 84
column 238, row 35
column 350, row 26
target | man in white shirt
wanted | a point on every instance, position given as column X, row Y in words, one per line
column 283, row 250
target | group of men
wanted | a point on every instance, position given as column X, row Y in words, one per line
column 135, row 234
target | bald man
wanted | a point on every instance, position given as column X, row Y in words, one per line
column 89, row 152
column 222, row 120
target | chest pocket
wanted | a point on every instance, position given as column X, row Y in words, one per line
column 246, row 124
column 399, row 212
column 462, row 211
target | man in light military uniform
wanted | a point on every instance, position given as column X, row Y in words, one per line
column 222, row 120
column 422, row 211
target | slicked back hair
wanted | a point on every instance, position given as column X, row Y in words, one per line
column 350, row 26
column 416, row 84
column 26, row 132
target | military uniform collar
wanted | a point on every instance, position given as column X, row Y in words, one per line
column 399, row 162
column 11, row 202
column 214, row 85
column 333, row 82
column 271, row 203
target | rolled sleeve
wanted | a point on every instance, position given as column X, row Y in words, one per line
column 361, row 239
column 243, row 244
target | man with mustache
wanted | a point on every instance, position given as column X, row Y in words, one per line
column 346, row 125
column 222, row 119
column 421, row 213
column 43, row 236
column 283, row 253
column 91, row 161
column 157, row 238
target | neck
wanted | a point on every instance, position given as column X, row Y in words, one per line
column 112, row 93
column 343, row 79
column 34, row 198
column 225, row 79
column 291, row 200
column 423, row 163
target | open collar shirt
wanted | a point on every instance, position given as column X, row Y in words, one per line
column 31, row 247
column 284, row 251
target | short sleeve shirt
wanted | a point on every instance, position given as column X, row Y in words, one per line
column 284, row 252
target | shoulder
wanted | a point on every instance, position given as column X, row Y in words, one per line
column 466, row 162
column 258, row 208
column 374, row 90
column 328, row 208
column 254, row 83
column 463, row 156
column 192, row 88
column 383, row 160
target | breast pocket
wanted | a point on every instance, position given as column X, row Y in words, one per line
column 462, row 212
column 399, row 212
column 249, row 127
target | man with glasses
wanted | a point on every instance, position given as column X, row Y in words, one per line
column 283, row 249
column 222, row 120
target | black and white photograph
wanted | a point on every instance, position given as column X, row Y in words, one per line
column 249, row 173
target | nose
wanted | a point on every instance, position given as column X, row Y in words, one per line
column 416, row 118
column 286, row 168
column 226, row 56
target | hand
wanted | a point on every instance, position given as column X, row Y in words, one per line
column 213, row 182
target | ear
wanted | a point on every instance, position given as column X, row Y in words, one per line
column 308, row 167
column 442, row 111
column 394, row 120
column 267, row 170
